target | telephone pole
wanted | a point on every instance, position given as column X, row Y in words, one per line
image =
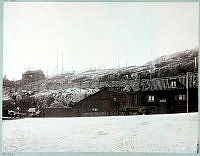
column 62, row 63
column 57, row 61
column 80, row 85
column 187, row 89
column 118, row 62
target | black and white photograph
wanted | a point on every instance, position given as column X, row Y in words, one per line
column 100, row 77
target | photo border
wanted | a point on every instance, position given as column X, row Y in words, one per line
column 87, row 153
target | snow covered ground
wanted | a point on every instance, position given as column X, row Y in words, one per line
column 144, row 133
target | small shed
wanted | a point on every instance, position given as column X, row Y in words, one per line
column 57, row 110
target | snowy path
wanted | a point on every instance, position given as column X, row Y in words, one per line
column 152, row 133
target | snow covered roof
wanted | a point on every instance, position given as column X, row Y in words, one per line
column 156, row 83
column 94, row 94
column 165, row 83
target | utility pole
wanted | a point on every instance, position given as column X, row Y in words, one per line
column 150, row 79
column 80, row 85
column 62, row 63
column 187, row 88
column 118, row 62
column 57, row 61
column 195, row 64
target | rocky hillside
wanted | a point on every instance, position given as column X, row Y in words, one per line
column 65, row 90
column 175, row 64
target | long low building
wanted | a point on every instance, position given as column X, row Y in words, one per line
column 158, row 96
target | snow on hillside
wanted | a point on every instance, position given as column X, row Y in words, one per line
column 171, row 59
column 70, row 94
column 174, row 56
column 174, row 64
column 95, row 74
column 144, row 133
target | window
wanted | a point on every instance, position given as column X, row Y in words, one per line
column 94, row 109
column 173, row 84
column 163, row 100
column 151, row 98
column 181, row 97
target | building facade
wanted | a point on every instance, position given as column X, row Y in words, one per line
column 170, row 95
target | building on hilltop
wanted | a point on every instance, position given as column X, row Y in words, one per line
column 31, row 76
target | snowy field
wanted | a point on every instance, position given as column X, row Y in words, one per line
column 145, row 133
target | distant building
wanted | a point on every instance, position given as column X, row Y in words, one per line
column 7, row 83
column 31, row 76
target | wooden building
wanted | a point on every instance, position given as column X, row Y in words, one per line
column 31, row 76
column 57, row 109
column 168, row 95
column 56, row 112
column 98, row 104
column 107, row 101
column 156, row 96
column 167, row 101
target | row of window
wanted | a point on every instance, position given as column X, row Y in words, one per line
column 173, row 84
column 151, row 98
column 92, row 109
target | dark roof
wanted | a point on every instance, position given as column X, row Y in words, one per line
column 157, row 83
column 165, row 83
column 102, row 89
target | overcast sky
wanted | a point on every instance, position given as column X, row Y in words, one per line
column 95, row 34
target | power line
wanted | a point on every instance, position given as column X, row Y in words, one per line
column 62, row 63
